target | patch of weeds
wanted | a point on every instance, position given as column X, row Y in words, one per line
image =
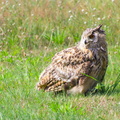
column 56, row 36
column 110, row 88
column 66, row 108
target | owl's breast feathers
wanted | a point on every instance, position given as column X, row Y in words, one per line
column 73, row 66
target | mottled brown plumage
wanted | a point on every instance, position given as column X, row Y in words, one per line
column 77, row 69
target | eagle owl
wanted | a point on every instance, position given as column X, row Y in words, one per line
column 77, row 69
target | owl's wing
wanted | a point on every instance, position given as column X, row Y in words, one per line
column 66, row 69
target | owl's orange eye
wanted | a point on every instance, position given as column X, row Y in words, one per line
column 91, row 36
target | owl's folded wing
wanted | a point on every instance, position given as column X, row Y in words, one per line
column 67, row 68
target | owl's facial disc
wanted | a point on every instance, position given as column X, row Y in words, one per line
column 90, row 37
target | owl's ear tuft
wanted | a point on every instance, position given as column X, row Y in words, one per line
column 97, row 28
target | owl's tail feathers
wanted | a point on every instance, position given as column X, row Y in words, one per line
column 39, row 86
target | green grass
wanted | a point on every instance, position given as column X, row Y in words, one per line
column 31, row 32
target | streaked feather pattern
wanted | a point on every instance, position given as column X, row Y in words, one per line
column 73, row 69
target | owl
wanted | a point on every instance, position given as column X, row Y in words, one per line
column 77, row 69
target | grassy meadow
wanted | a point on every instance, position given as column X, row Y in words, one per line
column 31, row 32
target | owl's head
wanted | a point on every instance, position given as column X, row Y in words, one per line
column 91, row 37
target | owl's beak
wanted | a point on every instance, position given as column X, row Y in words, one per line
column 90, row 40
column 87, row 41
